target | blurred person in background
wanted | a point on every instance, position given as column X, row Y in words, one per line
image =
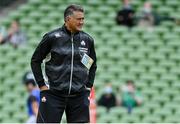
column 33, row 97
column 126, row 15
column 15, row 35
column 130, row 96
column 70, row 70
column 148, row 17
column 3, row 33
column 108, row 98
column 28, row 75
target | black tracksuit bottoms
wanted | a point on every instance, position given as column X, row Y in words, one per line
column 52, row 106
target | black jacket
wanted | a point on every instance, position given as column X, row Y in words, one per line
column 64, row 69
column 107, row 100
column 125, row 17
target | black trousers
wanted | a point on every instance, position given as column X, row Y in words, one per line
column 53, row 105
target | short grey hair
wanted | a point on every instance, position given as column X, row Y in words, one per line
column 71, row 8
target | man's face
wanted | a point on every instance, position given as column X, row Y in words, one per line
column 76, row 21
column 126, row 2
column 131, row 87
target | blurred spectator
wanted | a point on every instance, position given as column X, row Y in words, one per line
column 125, row 16
column 108, row 98
column 147, row 17
column 28, row 76
column 15, row 35
column 130, row 96
column 33, row 98
column 2, row 33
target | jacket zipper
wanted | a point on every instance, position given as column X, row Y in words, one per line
column 72, row 64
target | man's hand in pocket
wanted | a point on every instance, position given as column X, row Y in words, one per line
column 44, row 88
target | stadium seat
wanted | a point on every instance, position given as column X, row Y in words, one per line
column 136, row 3
column 158, row 70
column 164, row 10
column 167, row 63
column 156, row 3
column 163, row 113
column 149, row 36
column 94, row 3
column 161, row 100
column 151, row 119
column 172, row 119
column 149, row 76
column 175, row 85
column 169, row 77
column 114, row 3
column 107, row 118
column 101, row 110
column 172, row 106
column 176, row 30
column 140, row 112
column 149, row 92
column 172, row 4
column 120, row 29
column 129, row 119
column 55, row 2
column 36, row 15
column 27, row 22
column 35, row 3
column 26, row 8
column 118, row 111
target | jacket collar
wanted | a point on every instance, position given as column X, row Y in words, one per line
column 67, row 31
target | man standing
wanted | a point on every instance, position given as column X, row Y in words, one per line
column 70, row 69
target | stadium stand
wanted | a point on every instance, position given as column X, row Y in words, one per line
column 151, row 59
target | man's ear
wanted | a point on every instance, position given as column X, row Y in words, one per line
column 68, row 18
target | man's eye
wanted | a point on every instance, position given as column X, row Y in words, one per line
column 80, row 19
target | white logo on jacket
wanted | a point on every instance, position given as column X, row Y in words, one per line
column 83, row 43
column 43, row 99
column 84, row 50
column 59, row 34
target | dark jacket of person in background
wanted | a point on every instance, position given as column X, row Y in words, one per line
column 108, row 98
column 125, row 16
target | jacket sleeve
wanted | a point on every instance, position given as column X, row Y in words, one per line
column 40, row 53
column 93, row 68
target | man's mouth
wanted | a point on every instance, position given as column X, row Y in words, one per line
column 80, row 26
